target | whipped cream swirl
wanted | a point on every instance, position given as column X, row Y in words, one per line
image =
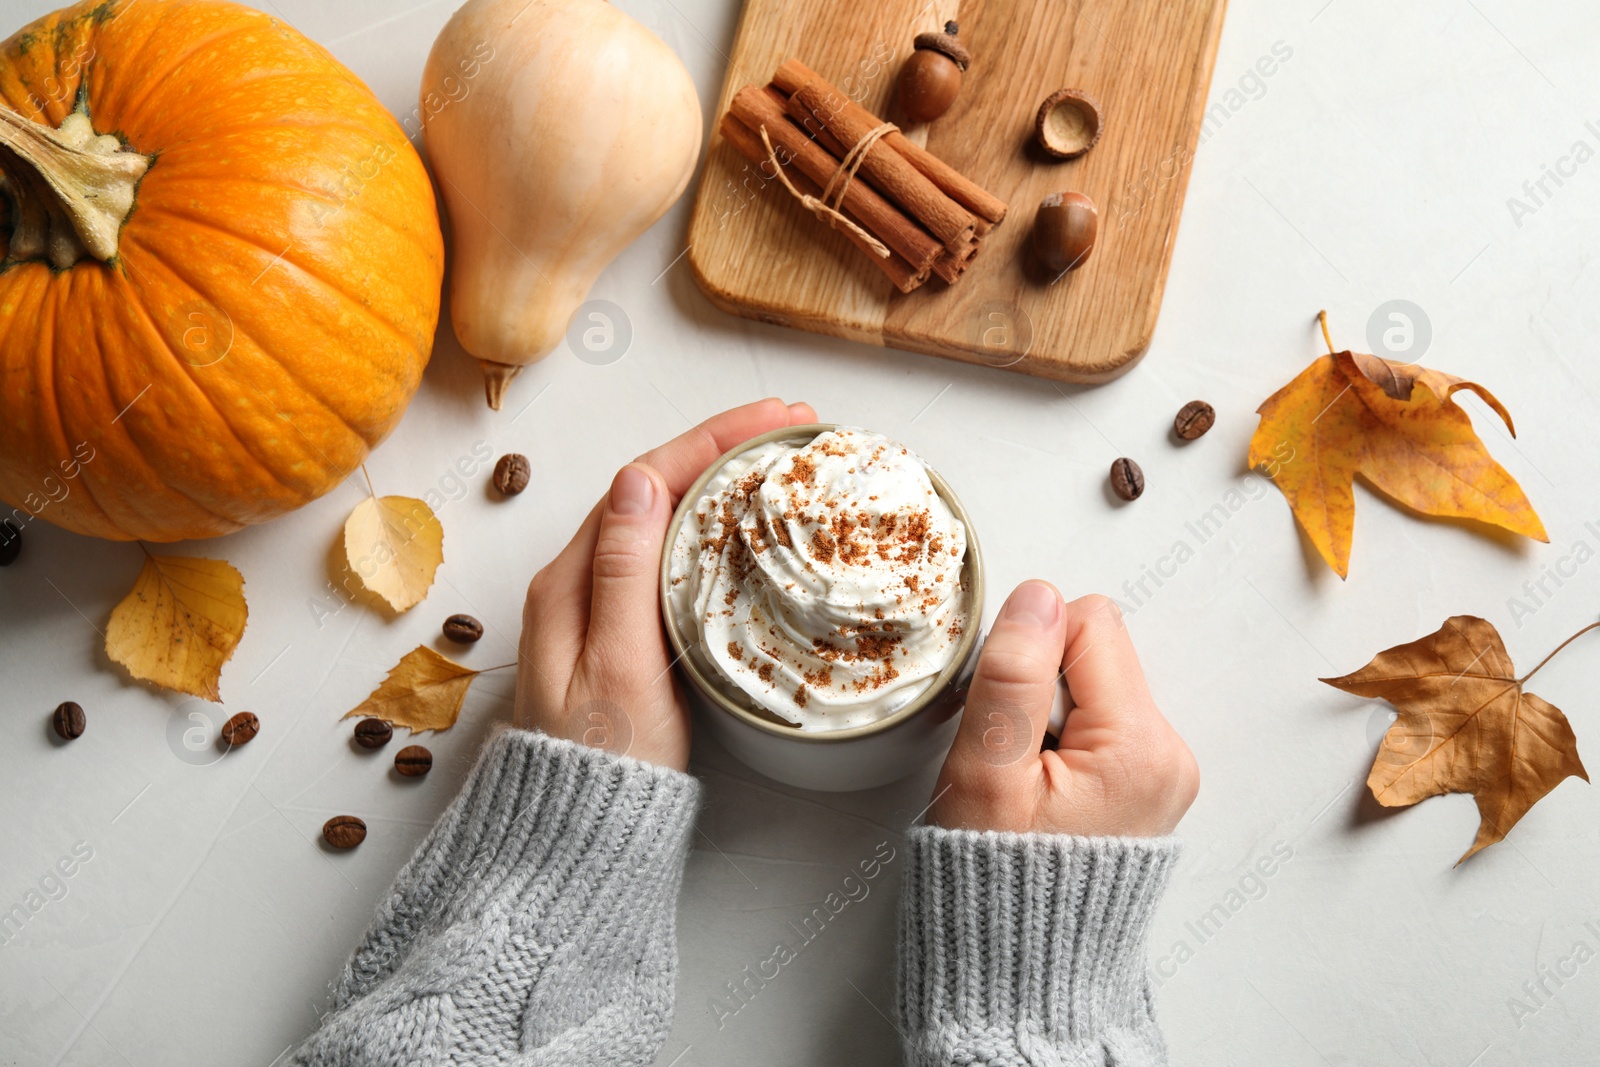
column 822, row 579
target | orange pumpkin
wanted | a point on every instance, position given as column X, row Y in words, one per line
column 219, row 269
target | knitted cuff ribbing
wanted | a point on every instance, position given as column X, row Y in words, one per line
column 1029, row 948
column 545, row 827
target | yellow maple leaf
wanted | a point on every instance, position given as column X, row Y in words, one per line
column 394, row 545
column 1466, row 725
column 424, row 691
column 180, row 623
column 1395, row 425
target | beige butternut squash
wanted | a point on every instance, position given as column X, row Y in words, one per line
column 559, row 131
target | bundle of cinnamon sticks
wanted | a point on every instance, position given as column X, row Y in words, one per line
column 914, row 215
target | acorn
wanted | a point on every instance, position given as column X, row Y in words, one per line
column 931, row 77
column 1064, row 231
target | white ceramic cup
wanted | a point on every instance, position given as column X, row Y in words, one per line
column 833, row 760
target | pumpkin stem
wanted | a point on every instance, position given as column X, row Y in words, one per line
column 496, row 376
column 71, row 188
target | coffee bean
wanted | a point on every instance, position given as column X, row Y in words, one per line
column 10, row 543
column 373, row 733
column 511, row 473
column 1127, row 480
column 344, row 831
column 241, row 729
column 463, row 629
column 413, row 761
column 69, row 721
column 1194, row 419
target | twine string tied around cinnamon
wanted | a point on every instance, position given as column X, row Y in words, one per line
column 838, row 184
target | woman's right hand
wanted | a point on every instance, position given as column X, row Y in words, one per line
column 1120, row 769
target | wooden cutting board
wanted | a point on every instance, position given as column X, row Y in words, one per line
column 755, row 252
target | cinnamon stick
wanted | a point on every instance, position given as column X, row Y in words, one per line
column 793, row 74
column 952, row 265
column 820, row 110
column 748, row 144
column 961, row 246
column 755, row 108
column 957, row 186
column 948, row 268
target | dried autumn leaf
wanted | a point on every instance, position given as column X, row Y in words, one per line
column 1465, row 725
column 1395, row 425
column 424, row 691
column 394, row 545
column 180, row 623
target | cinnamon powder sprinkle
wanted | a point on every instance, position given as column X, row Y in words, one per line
column 886, row 673
column 823, row 546
column 801, row 470
column 749, row 484
column 877, row 648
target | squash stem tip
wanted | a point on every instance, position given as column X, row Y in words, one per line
column 496, row 377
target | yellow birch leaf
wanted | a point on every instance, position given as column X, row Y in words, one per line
column 180, row 623
column 424, row 691
column 394, row 545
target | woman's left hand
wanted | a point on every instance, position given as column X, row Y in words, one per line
column 593, row 662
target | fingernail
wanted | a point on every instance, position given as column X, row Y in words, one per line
column 1033, row 604
column 799, row 411
column 633, row 492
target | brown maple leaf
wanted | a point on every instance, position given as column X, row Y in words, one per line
column 1466, row 725
column 1395, row 425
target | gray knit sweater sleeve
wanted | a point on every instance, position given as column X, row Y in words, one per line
column 534, row 925
column 1029, row 949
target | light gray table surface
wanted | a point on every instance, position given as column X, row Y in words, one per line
column 1377, row 162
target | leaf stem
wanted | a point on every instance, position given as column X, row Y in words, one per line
column 1322, row 317
column 1524, row 679
column 373, row 492
column 503, row 666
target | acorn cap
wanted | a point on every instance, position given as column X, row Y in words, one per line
column 947, row 43
column 1068, row 123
